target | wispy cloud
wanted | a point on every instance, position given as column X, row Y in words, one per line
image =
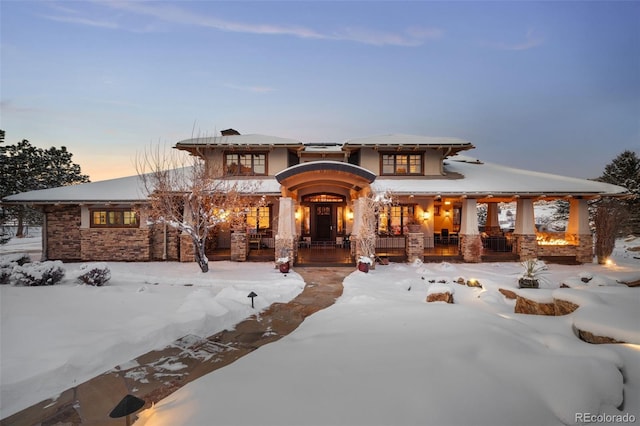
column 173, row 14
column 83, row 21
column 531, row 41
column 253, row 89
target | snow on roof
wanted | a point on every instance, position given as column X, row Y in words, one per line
column 466, row 176
column 324, row 148
column 126, row 190
column 487, row 178
column 253, row 139
column 402, row 139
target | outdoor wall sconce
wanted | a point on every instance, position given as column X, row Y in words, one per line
column 350, row 215
column 297, row 215
column 425, row 215
column 446, row 213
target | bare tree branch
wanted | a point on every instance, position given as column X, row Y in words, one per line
column 186, row 194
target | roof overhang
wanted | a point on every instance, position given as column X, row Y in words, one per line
column 401, row 142
column 253, row 142
column 332, row 173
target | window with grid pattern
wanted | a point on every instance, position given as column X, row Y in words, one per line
column 114, row 218
column 259, row 218
column 245, row 163
column 401, row 164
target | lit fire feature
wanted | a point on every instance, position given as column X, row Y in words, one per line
column 555, row 239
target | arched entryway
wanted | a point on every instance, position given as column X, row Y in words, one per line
column 323, row 194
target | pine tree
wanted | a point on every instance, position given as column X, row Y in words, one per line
column 24, row 167
column 624, row 171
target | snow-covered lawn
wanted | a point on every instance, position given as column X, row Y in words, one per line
column 55, row 337
column 380, row 355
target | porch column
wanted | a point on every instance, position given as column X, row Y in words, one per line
column 470, row 240
column 187, row 250
column 355, row 230
column 239, row 245
column 525, row 230
column 414, row 242
column 578, row 229
column 363, row 241
column 492, row 227
column 285, row 240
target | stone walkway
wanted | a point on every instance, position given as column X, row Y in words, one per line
column 157, row 374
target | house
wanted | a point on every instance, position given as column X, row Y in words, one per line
column 315, row 196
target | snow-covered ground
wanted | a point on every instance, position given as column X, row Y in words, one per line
column 380, row 355
column 55, row 337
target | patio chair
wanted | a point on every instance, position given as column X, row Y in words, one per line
column 444, row 235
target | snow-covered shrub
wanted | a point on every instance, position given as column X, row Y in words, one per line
column 96, row 274
column 38, row 273
column 5, row 274
column 14, row 259
column 8, row 262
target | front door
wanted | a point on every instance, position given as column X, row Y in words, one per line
column 323, row 222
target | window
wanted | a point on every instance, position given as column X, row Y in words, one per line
column 259, row 218
column 393, row 220
column 401, row 164
column 114, row 218
column 245, row 164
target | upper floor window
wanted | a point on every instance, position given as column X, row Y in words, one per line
column 401, row 164
column 238, row 163
column 114, row 218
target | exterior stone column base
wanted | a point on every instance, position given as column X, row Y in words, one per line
column 584, row 251
column 471, row 247
column 239, row 247
column 526, row 246
column 286, row 247
column 357, row 251
column 187, row 250
column 414, row 246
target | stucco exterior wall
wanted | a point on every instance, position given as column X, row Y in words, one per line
column 277, row 160
column 432, row 163
column 370, row 160
column 63, row 233
column 214, row 162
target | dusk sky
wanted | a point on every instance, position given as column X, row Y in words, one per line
column 547, row 86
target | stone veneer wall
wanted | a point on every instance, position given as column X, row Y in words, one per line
column 471, row 247
column 115, row 244
column 556, row 250
column 239, row 246
column 187, row 251
column 158, row 242
column 583, row 250
column 415, row 246
column 63, row 233
column 526, row 246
